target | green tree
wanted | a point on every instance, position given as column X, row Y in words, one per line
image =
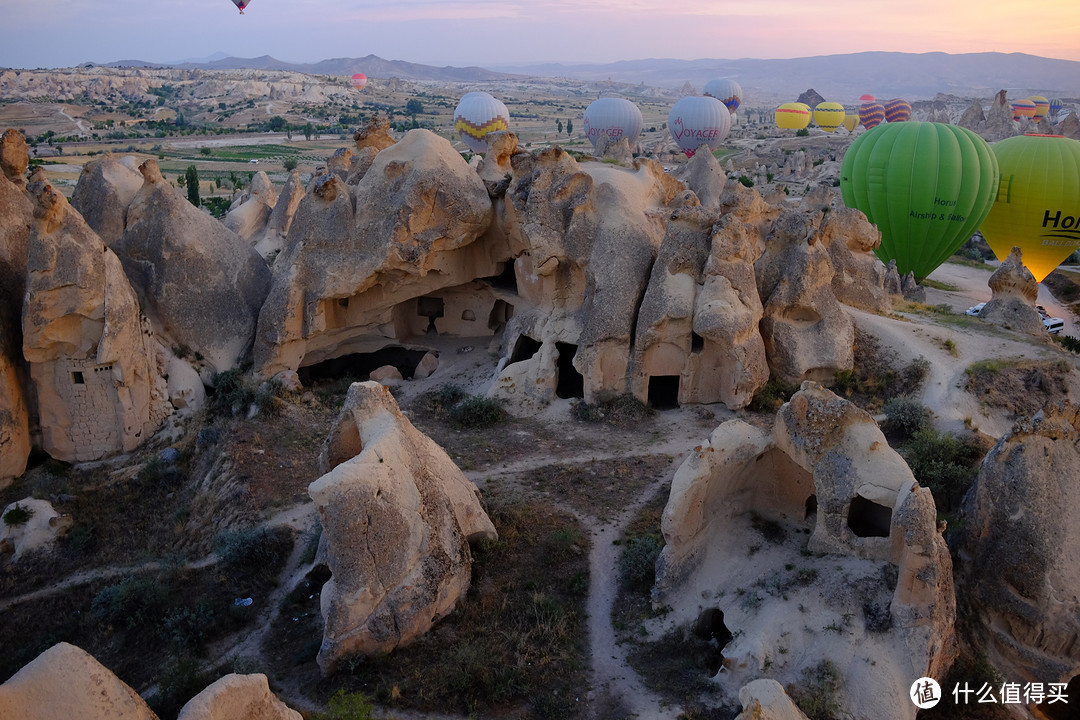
column 558, row 124
column 191, row 177
column 205, row 151
column 309, row 130
column 278, row 123
column 569, row 127
column 289, row 163
column 414, row 107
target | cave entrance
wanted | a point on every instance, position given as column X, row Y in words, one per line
column 867, row 518
column 710, row 627
column 664, row 392
column 501, row 311
column 697, row 343
column 569, row 382
column 431, row 308
column 811, row 507
column 505, row 280
column 360, row 365
column 524, row 348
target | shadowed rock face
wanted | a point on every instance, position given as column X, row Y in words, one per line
column 199, row 283
column 875, row 569
column 92, row 360
column 1018, row 548
column 105, row 189
column 397, row 517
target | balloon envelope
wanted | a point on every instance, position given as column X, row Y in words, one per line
column 617, row 117
column 477, row 115
column 359, row 80
column 851, row 121
column 927, row 186
column 867, row 98
column 726, row 91
column 1036, row 207
column 1042, row 106
column 241, row 4
column 897, row 110
column 698, row 120
column 1055, row 107
column 1022, row 108
column 793, row 116
column 829, row 115
column 871, row 114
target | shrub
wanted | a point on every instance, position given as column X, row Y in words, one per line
column 772, row 395
column 906, row 415
column 623, row 411
column 943, row 462
column 746, row 181
column 802, row 132
column 1069, row 342
column 347, row 706
column 18, row 515
column 817, row 695
column 252, row 550
column 476, row 411
column 637, row 564
column 137, row 600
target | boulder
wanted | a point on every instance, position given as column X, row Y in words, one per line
column 765, row 699
column 397, row 263
column 105, row 189
column 1019, row 537
column 200, row 284
column 66, row 682
column 387, row 375
column 99, row 390
column 871, row 590
column 237, row 697
column 1069, row 127
column 858, row 275
column 495, row 164
column 397, row 518
column 39, row 531
column 185, row 387
column 1013, row 294
column 376, row 134
column 807, row 334
column 426, row 367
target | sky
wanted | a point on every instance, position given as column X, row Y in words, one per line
column 494, row 33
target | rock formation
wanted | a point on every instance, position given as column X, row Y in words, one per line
column 397, row 517
column 65, row 682
column 1012, row 302
column 765, row 699
column 105, row 189
column 495, row 165
column 272, row 240
column 237, row 697
column 401, row 260
column 704, row 176
column 40, row 530
column 1070, row 127
column 871, row 590
column 340, row 163
column 1019, row 538
column 807, row 334
column 249, row 218
column 199, row 283
column 92, row 357
column 858, row 275
column 376, row 134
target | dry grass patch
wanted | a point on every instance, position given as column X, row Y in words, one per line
column 600, row 487
column 1019, row 385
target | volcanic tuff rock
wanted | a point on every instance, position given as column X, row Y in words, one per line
column 765, row 699
column 1019, row 539
column 40, row 530
column 704, row 176
column 1012, row 303
column 354, row 274
column 92, row 358
column 807, row 334
column 875, row 568
column 66, row 682
column 249, row 216
column 272, row 239
column 397, row 517
column 858, row 275
column 105, row 189
column 237, row 697
column 199, row 283
column 376, row 134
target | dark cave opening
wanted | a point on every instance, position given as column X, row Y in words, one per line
column 359, row 365
column 664, row 392
column 867, row 518
column 570, row 383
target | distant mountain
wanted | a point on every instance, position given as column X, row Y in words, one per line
column 844, row 77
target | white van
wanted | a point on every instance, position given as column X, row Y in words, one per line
column 1053, row 325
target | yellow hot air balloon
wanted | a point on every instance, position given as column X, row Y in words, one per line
column 1036, row 207
column 851, row 121
column 1042, row 107
column 829, row 115
column 793, row 116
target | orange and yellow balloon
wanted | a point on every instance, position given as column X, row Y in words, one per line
column 793, row 116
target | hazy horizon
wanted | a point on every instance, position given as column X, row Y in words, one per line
column 493, row 34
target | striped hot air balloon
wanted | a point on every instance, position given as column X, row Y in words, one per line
column 1055, row 108
column 698, row 120
column 618, row 117
column 1023, row 108
column 726, row 91
column 793, row 116
column 871, row 114
column 897, row 110
column 1042, row 107
column 829, row 115
column 359, row 80
column 478, row 114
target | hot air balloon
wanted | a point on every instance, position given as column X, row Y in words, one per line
column 726, row 91
column 829, row 115
column 1022, row 108
column 851, row 121
column 359, row 80
column 698, row 120
column 478, row 114
column 927, row 186
column 867, row 98
column 241, row 4
column 1055, row 108
column 1042, row 106
column 897, row 110
column 793, row 116
column 871, row 114
column 617, row 117
column 1036, row 207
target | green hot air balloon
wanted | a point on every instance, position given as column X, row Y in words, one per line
column 927, row 186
